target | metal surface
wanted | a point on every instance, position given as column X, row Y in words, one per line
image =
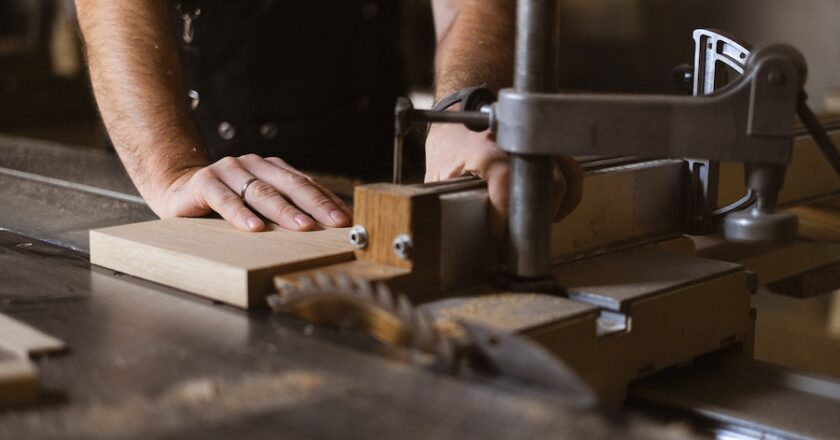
column 762, row 223
column 147, row 361
column 57, row 193
column 532, row 177
column 530, row 216
column 85, row 166
column 751, row 398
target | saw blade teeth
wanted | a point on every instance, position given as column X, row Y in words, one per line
column 275, row 301
column 445, row 351
column 283, row 295
column 384, row 296
column 404, row 308
column 364, row 289
column 306, row 284
column 344, row 282
column 423, row 330
column 325, row 282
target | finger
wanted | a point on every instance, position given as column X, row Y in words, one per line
column 333, row 196
column 321, row 187
column 497, row 175
column 573, row 174
column 298, row 189
column 262, row 197
column 220, row 198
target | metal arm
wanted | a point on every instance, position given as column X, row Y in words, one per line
column 750, row 120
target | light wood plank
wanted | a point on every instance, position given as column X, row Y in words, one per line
column 210, row 258
column 24, row 340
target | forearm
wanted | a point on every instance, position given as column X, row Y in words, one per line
column 475, row 44
column 136, row 75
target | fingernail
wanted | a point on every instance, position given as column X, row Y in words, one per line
column 253, row 223
column 338, row 217
column 303, row 221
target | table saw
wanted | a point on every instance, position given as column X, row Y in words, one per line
column 397, row 330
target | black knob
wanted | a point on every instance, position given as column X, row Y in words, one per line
column 683, row 78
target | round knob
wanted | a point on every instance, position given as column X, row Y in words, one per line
column 683, row 78
column 756, row 226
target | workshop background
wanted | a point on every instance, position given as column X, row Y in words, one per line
column 45, row 92
column 607, row 45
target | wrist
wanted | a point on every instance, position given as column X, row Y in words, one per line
column 159, row 191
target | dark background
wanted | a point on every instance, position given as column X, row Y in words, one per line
column 607, row 45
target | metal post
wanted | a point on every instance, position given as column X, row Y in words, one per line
column 532, row 181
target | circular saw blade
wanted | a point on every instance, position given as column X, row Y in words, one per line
column 357, row 304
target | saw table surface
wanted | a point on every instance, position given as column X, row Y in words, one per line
column 146, row 361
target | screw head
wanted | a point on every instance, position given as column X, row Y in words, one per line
column 226, row 131
column 358, row 237
column 402, row 246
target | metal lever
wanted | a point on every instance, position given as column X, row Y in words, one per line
column 761, row 222
column 470, row 115
column 712, row 48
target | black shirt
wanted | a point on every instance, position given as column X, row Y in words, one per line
column 311, row 82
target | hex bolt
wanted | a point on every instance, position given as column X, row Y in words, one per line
column 358, row 237
column 402, row 246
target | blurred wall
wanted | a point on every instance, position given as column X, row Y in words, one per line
column 632, row 45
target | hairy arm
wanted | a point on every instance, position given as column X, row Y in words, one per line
column 475, row 44
column 136, row 74
column 476, row 40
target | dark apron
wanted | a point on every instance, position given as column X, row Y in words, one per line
column 311, row 82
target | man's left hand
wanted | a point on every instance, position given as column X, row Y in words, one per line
column 453, row 151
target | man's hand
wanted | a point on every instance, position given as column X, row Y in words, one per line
column 136, row 74
column 281, row 194
column 453, row 151
column 475, row 47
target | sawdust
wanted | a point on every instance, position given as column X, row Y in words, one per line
column 511, row 312
column 205, row 399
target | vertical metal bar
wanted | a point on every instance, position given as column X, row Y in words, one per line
column 399, row 141
column 537, row 40
column 532, row 181
column 531, row 203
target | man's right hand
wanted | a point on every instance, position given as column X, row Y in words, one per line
column 281, row 194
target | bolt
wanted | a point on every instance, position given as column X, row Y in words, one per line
column 402, row 246
column 776, row 78
column 268, row 130
column 358, row 237
column 226, row 131
column 195, row 99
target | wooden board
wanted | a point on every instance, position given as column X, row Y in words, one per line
column 18, row 380
column 210, row 258
column 24, row 340
column 18, row 375
column 673, row 308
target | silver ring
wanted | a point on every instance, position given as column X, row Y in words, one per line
column 245, row 187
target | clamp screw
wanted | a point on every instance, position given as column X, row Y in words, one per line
column 358, row 237
column 402, row 246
